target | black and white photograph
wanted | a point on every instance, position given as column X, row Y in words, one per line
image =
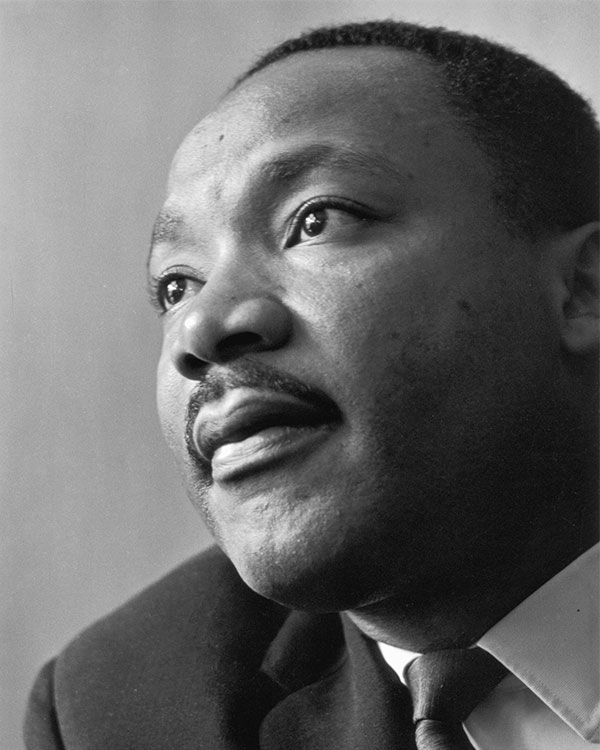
column 299, row 403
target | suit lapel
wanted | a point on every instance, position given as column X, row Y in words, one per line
column 340, row 693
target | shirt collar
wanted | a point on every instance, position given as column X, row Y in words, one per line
column 550, row 642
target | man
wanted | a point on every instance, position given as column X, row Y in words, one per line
column 376, row 269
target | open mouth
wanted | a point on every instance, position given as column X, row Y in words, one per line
column 248, row 429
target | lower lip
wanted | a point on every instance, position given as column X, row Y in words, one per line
column 233, row 461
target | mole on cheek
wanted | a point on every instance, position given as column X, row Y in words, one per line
column 221, row 137
column 465, row 306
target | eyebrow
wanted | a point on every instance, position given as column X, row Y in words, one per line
column 292, row 164
column 285, row 167
column 168, row 227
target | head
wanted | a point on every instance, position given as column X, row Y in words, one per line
column 375, row 267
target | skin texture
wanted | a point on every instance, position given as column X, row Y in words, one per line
column 435, row 501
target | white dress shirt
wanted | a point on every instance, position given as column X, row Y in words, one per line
column 549, row 643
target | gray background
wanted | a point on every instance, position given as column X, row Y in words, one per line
column 94, row 98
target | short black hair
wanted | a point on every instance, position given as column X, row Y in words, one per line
column 540, row 136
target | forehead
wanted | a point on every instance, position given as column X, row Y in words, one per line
column 376, row 97
column 374, row 116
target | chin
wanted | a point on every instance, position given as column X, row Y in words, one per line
column 301, row 590
column 307, row 550
column 314, row 577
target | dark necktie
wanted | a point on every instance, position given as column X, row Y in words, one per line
column 445, row 687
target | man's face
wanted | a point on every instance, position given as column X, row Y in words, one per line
column 353, row 340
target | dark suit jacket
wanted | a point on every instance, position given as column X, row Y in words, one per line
column 200, row 661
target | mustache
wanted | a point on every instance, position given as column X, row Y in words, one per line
column 217, row 381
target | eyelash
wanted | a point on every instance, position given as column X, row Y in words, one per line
column 319, row 203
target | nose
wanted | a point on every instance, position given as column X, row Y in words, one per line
column 218, row 328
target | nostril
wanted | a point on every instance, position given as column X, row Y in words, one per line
column 239, row 343
column 190, row 364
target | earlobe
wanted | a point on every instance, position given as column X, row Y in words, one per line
column 579, row 264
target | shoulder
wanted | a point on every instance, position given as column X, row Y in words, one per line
column 203, row 596
column 202, row 607
column 178, row 650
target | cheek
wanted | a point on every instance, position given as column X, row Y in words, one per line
column 376, row 326
column 171, row 401
column 409, row 359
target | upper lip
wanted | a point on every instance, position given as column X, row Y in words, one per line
column 244, row 412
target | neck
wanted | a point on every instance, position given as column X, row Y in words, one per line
column 458, row 617
column 546, row 520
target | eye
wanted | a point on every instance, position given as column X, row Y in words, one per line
column 313, row 223
column 172, row 289
column 330, row 218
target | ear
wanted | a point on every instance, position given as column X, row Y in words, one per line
column 576, row 287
